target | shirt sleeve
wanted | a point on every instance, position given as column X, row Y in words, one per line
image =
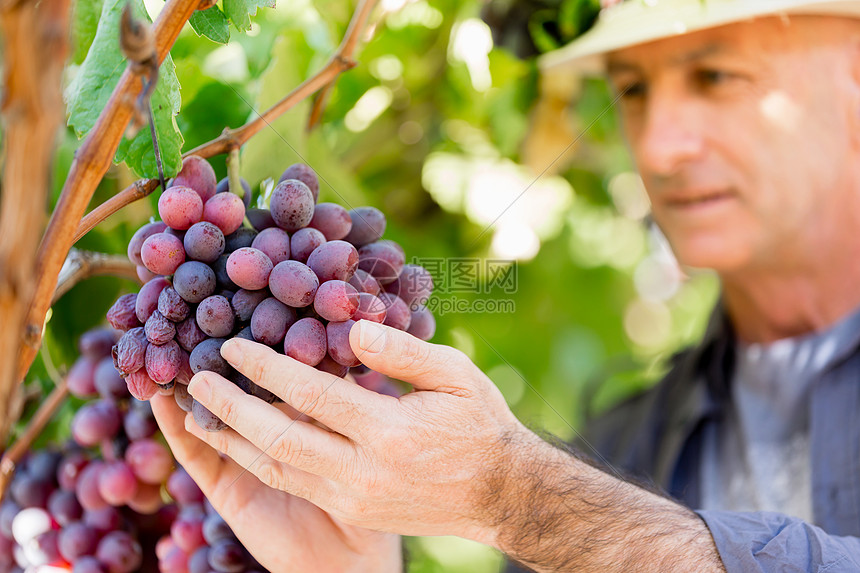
column 766, row 541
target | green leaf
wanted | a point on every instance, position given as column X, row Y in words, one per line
column 240, row 11
column 96, row 79
column 211, row 23
column 85, row 21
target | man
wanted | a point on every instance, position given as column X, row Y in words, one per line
column 743, row 118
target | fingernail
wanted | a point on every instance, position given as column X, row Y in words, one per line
column 232, row 351
column 371, row 337
column 199, row 388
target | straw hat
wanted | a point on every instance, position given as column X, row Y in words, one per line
column 632, row 22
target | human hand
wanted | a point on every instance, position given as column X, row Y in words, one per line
column 283, row 532
column 428, row 463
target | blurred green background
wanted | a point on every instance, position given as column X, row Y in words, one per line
column 471, row 155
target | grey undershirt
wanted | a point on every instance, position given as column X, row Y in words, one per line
column 756, row 458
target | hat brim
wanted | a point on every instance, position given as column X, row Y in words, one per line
column 635, row 22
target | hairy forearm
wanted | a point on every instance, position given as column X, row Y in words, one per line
column 551, row 511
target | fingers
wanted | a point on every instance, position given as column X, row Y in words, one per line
column 254, row 461
column 292, row 442
column 400, row 355
column 342, row 406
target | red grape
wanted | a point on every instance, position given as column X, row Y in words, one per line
column 292, row 205
column 215, row 316
column 108, row 382
column 188, row 334
column 306, row 341
column 270, row 321
column 81, row 377
column 180, row 207
column 260, row 218
column 304, row 174
column 414, row 286
column 303, row 242
column 422, row 324
column 117, row 483
column 363, row 281
column 194, row 281
column 249, row 268
column 204, row 242
column 150, row 461
column 197, row 174
column 122, row 315
column 368, row 225
column 206, row 356
column 397, row 314
column 162, row 253
column 337, row 335
column 275, row 243
column 141, row 385
column 224, row 187
column 336, row 301
column 96, row 343
column 370, row 308
column 162, row 362
column 158, row 329
column 245, row 301
column 76, row 540
column 334, row 260
column 147, row 298
column 382, row 259
column 293, row 283
column 120, row 552
column 129, row 354
column 136, row 242
column 332, row 220
column 171, row 305
column 226, row 211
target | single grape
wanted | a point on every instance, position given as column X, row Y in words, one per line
column 243, row 237
column 147, row 500
column 176, row 233
column 158, row 329
column 87, row 487
column 222, row 278
column 77, row 540
column 184, row 375
column 162, row 253
column 96, row 343
column 145, row 275
column 334, row 260
column 199, row 560
column 183, row 398
column 81, row 377
column 88, row 564
column 137, row 240
column 162, row 362
column 175, row 560
column 150, row 461
column 171, row 305
column 194, row 281
column 304, row 174
column 337, row 334
column 226, row 211
column 224, row 187
column 43, row 549
column 215, row 316
column 293, row 283
column 336, row 301
column 275, row 243
column 180, row 207
column 28, row 491
column 108, row 382
column 260, row 218
column 122, row 315
column 96, row 421
column 104, row 520
column 64, row 507
column 249, row 268
column 188, row 334
column 363, row 281
column 204, row 242
column 206, row 419
column 129, row 354
column 117, row 483
column 382, row 259
column 147, row 299
column 187, row 532
column 215, row 528
column 197, row 174
column 138, row 426
column 270, row 321
column 120, row 552
column 306, row 341
column 245, row 301
column 397, row 313
column 414, row 286
column 228, row 556
column 67, row 472
column 332, row 220
column 370, row 308
column 246, row 334
column 423, row 324
column 368, row 225
column 206, row 356
column 140, row 385
column 303, row 242
column 292, row 205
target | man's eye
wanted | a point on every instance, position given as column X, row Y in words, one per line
column 632, row 91
column 711, row 78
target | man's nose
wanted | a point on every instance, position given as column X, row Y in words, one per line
column 672, row 136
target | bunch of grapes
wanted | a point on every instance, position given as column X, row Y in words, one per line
column 295, row 276
column 101, row 505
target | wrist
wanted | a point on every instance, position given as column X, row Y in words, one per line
column 384, row 556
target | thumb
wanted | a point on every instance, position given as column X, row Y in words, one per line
column 400, row 355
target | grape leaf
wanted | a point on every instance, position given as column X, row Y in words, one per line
column 96, row 79
column 211, row 23
column 85, row 20
column 240, row 11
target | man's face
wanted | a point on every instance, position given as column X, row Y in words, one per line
column 743, row 136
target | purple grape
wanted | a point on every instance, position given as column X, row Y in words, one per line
column 228, row 556
column 171, row 305
column 368, row 225
column 8, row 510
column 180, row 207
column 246, row 334
column 215, row 528
column 293, row 283
column 334, row 260
column 141, row 235
column 162, row 253
column 184, row 374
column 303, row 242
column 260, row 218
column 67, row 472
column 336, row 301
column 207, row 357
column 206, row 419
column 140, row 385
column 414, row 286
column 87, row 487
column 43, row 464
column 423, row 324
column 81, row 378
column 226, row 211
column 122, row 315
column 306, row 341
column 64, row 507
column 183, row 489
column 370, row 308
column 194, row 281
column 96, row 343
column 397, row 313
column 43, row 549
column 138, row 426
column 174, row 560
column 77, row 540
column 28, row 491
column 245, row 301
column 304, row 174
column 117, row 483
column 204, row 242
column 96, row 421
column 120, row 552
column 270, row 321
column 176, row 233
column 188, row 334
column 129, row 354
column 144, row 275
column 197, row 174
column 243, row 237
column 149, row 461
column 199, row 560
column 292, row 205
column 215, row 316
column 108, row 382
column 275, row 243
column 382, row 259
column 158, row 329
column 187, row 531
column 332, row 220
column 162, row 362
column 249, row 268
column 88, row 564
column 182, row 397
column 329, row 365
column 363, row 281
column 224, row 187
column 147, row 298
column 337, row 335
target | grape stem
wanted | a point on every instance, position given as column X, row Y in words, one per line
column 81, row 265
column 233, row 177
column 137, row 190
